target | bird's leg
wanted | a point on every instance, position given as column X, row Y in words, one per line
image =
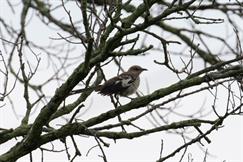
column 131, row 98
column 119, row 117
column 117, row 101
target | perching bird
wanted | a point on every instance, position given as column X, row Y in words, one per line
column 124, row 84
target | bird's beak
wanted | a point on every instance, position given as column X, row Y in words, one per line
column 144, row 69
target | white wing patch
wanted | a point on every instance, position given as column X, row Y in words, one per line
column 125, row 81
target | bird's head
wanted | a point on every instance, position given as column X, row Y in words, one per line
column 136, row 69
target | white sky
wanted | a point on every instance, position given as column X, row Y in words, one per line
column 227, row 143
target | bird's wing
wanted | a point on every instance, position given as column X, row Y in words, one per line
column 125, row 80
column 117, row 84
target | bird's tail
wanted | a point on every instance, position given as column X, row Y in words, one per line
column 98, row 88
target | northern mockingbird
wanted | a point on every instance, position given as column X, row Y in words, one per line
column 124, row 84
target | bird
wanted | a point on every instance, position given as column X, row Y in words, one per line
column 124, row 84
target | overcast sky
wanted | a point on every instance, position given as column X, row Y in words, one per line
column 227, row 142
